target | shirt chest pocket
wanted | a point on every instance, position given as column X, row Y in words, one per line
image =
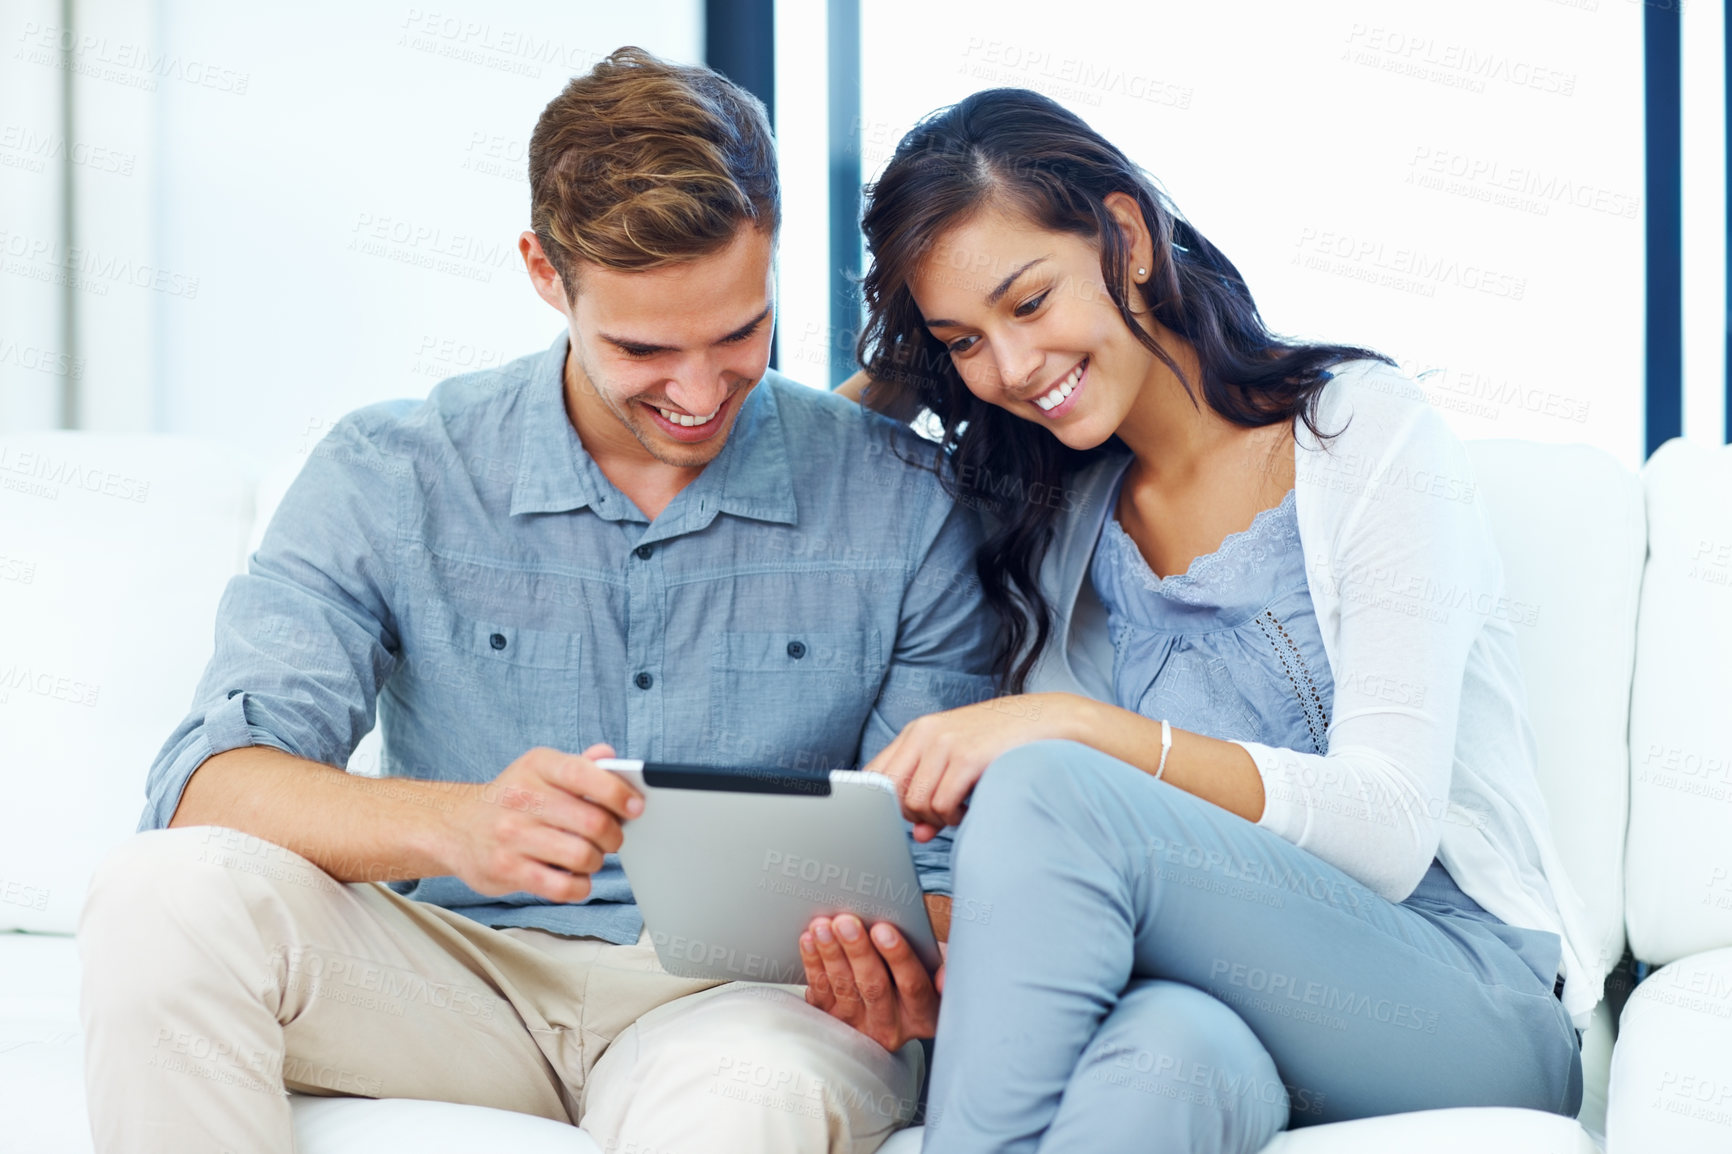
column 798, row 698
column 512, row 688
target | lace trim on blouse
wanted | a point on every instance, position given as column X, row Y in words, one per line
column 1240, row 554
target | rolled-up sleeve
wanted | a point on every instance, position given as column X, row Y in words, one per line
column 943, row 656
column 305, row 637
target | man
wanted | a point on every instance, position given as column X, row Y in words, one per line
column 638, row 540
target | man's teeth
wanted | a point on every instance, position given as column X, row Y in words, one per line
column 1063, row 389
column 687, row 419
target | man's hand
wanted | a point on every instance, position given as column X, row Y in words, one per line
column 542, row 826
column 874, row 982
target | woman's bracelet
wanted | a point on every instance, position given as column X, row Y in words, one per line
column 1166, row 747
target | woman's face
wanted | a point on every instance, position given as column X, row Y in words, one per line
column 1030, row 326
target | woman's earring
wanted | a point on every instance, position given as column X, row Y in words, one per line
column 1141, row 273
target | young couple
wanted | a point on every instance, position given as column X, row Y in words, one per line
column 1252, row 843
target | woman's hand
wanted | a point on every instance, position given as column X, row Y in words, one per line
column 873, row 980
column 936, row 759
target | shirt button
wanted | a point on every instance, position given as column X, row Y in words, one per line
column 643, row 552
column 796, row 649
column 497, row 641
column 644, row 680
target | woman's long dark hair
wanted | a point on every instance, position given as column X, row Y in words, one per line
column 1018, row 149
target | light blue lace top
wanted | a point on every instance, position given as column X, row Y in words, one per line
column 1230, row 648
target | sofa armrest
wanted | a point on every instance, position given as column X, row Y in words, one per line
column 1671, row 1085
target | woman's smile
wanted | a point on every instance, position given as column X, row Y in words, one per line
column 1061, row 398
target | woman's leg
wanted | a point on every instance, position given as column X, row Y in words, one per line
column 1170, row 1069
column 1076, row 873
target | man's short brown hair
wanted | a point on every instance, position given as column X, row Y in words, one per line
column 641, row 163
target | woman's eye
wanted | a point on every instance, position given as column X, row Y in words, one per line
column 960, row 345
column 1028, row 306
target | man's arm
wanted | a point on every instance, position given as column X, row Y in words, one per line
column 541, row 826
column 942, row 657
column 305, row 639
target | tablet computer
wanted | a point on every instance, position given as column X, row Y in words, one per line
column 730, row 865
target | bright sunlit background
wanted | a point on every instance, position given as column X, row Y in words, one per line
column 276, row 214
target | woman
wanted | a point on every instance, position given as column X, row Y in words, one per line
column 1259, row 843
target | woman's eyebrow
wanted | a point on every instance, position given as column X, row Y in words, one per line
column 992, row 298
column 997, row 294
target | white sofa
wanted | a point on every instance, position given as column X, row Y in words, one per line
column 114, row 550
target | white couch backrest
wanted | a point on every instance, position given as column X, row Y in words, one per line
column 1569, row 523
column 113, row 554
column 1680, row 844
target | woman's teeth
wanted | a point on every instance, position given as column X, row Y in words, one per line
column 687, row 419
column 1063, row 389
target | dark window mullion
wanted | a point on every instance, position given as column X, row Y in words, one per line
column 740, row 43
column 1662, row 113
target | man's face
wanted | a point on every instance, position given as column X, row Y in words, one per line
column 662, row 359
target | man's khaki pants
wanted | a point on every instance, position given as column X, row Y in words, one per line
column 219, row 969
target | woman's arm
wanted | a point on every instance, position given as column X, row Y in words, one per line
column 854, row 386
column 1412, row 571
column 937, row 759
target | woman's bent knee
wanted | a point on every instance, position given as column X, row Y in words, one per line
column 1048, row 776
column 1187, row 1065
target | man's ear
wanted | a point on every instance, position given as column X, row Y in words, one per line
column 549, row 285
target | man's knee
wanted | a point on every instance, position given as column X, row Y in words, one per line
column 163, row 862
column 192, row 877
column 765, row 1045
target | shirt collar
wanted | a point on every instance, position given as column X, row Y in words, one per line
column 551, row 477
column 758, row 481
column 751, row 477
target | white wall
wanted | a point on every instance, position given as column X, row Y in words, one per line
column 1458, row 185
column 234, row 165
column 1705, row 306
column 324, row 201
column 803, row 150
column 35, row 364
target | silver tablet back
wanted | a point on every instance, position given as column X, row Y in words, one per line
column 729, row 866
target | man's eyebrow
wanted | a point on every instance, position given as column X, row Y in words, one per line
column 746, row 328
column 630, row 345
column 634, row 346
column 992, row 297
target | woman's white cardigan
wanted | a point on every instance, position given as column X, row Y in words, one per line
column 1430, row 752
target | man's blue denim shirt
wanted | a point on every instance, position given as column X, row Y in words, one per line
column 463, row 562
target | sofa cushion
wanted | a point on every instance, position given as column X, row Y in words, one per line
column 1672, row 1068
column 42, row 1097
column 114, row 554
column 42, row 1103
column 1482, row 1131
column 41, row 1053
column 1569, row 523
column 405, row 1126
column 1679, row 898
